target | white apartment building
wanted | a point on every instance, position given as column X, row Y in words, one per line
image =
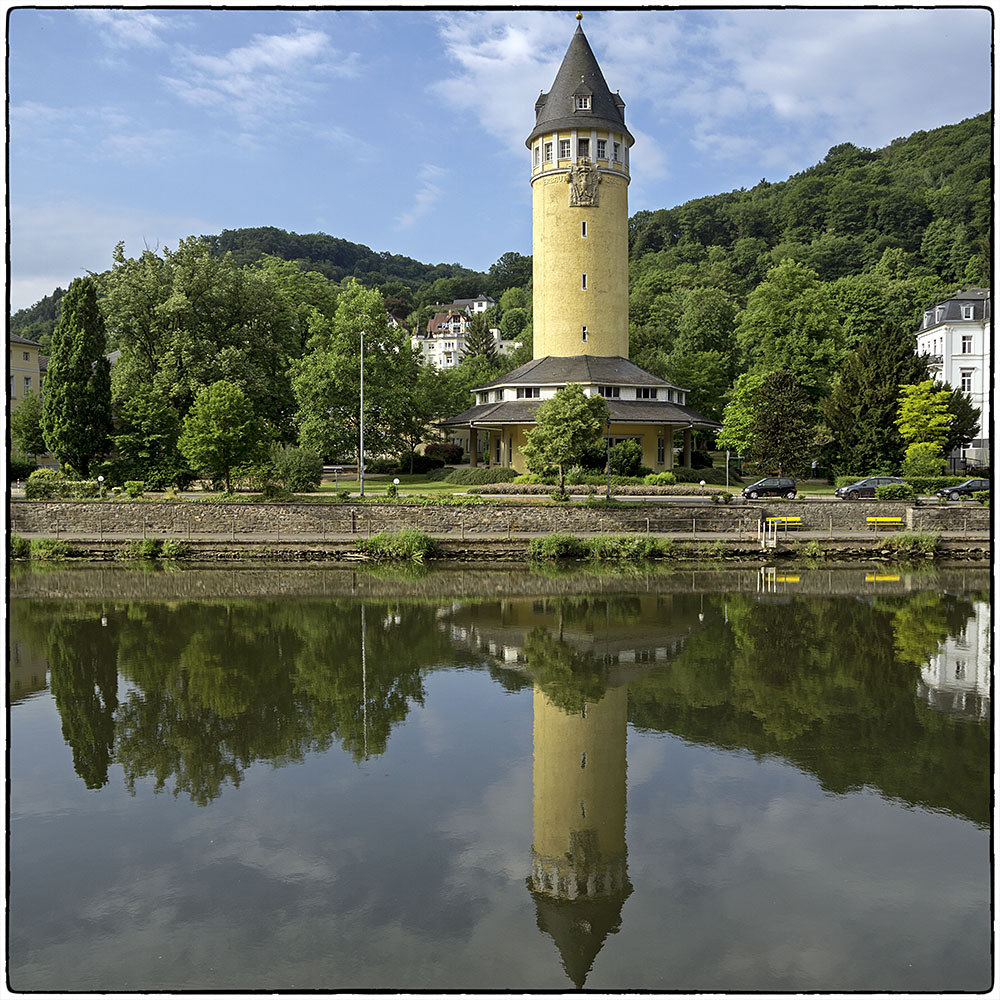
column 956, row 335
column 957, row 679
column 443, row 343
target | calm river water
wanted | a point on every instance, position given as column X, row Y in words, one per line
column 492, row 779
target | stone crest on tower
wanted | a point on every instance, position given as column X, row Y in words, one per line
column 583, row 178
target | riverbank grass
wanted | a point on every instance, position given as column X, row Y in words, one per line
column 398, row 546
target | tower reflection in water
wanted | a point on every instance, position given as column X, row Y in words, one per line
column 579, row 655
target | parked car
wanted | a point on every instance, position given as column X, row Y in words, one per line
column 966, row 489
column 866, row 487
column 773, row 486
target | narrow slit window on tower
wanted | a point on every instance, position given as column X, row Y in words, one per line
column 583, row 228
column 548, row 152
column 602, row 149
column 536, row 155
column 617, row 147
column 583, row 282
column 564, row 149
column 583, row 148
column 583, row 334
column 583, row 760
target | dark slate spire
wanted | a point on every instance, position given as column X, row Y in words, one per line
column 579, row 75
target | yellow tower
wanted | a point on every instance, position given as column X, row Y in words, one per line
column 579, row 183
column 579, row 878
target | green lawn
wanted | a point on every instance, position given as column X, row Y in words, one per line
column 376, row 484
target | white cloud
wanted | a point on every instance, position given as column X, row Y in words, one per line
column 261, row 81
column 429, row 193
column 51, row 243
column 129, row 28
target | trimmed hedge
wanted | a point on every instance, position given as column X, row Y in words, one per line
column 481, row 476
column 632, row 490
column 894, row 491
column 52, row 484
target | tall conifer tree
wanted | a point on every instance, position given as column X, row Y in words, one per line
column 76, row 416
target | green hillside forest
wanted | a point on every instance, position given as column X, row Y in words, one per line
column 824, row 275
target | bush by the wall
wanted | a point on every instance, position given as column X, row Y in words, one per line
column 20, row 547
column 895, row 491
column 135, row 488
column 398, row 546
column 660, row 479
column 481, row 476
column 983, row 496
column 624, row 547
column 50, row 549
column 557, row 546
column 912, row 544
column 297, row 470
column 45, row 484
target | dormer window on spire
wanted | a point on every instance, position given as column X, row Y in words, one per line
column 583, row 102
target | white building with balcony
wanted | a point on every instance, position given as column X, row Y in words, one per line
column 443, row 342
column 956, row 335
column 957, row 679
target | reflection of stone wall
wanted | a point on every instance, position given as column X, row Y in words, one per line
column 177, row 519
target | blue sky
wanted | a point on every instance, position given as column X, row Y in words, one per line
column 404, row 130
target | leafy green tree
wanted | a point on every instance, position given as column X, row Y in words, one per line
column 220, row 432
column 513, row 323
column 923, row 458
column 769, row 422
column 790, row 324
column 565, row 427
column 510, row 271
column 705, row 374
column 923, row 413
column 326, row 381
column 479, row 342
column 26, row 430
column 146, row 442
column 76, row 411
column 861, row 409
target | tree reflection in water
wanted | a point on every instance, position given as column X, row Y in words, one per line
column 828, row 683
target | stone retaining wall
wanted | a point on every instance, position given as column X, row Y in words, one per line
column 179, row 519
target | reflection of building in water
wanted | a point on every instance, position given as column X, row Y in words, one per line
column 580, row 654
column 956, row 679
column 635, row 629
column 579, row 880
column 27, row 665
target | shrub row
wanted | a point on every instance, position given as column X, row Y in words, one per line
column 587, row 489
column 480, row 476
column 912, row 544
column 51, row 484
column 604, row 548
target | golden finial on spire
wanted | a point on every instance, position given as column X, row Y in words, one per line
column 579, row 15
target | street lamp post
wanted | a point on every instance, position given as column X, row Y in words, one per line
column 100, row 485
column 609, row 457
column 361, row 443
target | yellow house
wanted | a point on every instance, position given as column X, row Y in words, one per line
column 25, row 374
column 580, row 171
